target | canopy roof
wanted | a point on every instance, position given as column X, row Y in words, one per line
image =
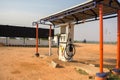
column 88, row 11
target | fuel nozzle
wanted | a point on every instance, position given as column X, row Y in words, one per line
column 70, row 46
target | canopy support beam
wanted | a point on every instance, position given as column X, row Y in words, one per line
column 37, row 54
column 118, row 41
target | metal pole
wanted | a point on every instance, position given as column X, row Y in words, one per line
column 101, row 37
column 6, row 40
column 50, row 40
column 37, row 54
column 24, row 41
column 118, row 41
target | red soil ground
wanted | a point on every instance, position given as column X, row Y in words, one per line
column 19, row 63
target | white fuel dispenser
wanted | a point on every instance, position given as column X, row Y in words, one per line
column 66, row 39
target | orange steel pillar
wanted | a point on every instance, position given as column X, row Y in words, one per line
column 117, row 69
column 101, row 37
column 118, row 42
column 50, row 30
column 101, row 75
column 37, row 54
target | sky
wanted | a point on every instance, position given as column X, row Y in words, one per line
column 24, row 12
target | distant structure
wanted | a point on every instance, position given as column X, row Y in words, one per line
column 23, row 36
column 84, row 41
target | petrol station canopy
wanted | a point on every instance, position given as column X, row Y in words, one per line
column 85, row 12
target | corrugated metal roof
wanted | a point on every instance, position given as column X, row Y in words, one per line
column 87, row 11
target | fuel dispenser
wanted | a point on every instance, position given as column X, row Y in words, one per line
column 66, row 48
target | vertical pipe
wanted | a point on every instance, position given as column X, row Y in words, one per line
column 24, row 41
column 50, row 31
column 118, row 41
column 50, row 40
column 39, row 40
column 101, row 37
column 36, row 38
column 6, row 40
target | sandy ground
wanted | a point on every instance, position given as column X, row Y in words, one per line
column 19, row 63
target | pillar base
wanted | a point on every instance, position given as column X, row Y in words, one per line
column 116, row 71
column 101, row 76
column 37, row 54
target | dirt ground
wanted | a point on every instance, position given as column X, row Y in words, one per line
column 19, row 63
